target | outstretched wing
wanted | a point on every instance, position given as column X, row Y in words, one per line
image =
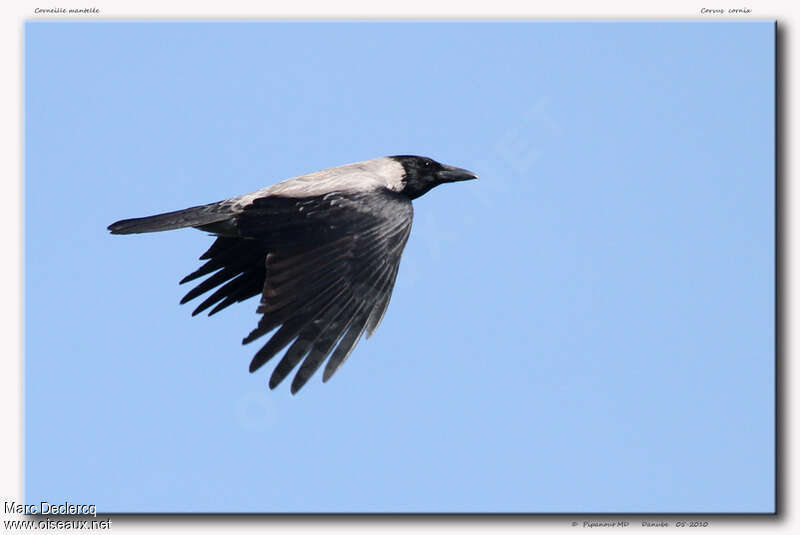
column 327, row 266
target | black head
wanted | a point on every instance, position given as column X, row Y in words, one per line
column 422, row 174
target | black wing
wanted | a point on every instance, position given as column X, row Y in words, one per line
column 325, row 267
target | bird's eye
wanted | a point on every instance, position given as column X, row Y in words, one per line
column 427, row 164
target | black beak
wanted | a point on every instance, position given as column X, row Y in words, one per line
column 454, row 174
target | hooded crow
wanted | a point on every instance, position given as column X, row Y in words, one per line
column 322, row 249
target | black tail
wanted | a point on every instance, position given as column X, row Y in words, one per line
column 190, row 217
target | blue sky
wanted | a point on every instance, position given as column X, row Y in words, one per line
column 587, row 328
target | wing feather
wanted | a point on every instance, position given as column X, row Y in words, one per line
column 346, row 346
column 325, row 267
column 324, row 341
